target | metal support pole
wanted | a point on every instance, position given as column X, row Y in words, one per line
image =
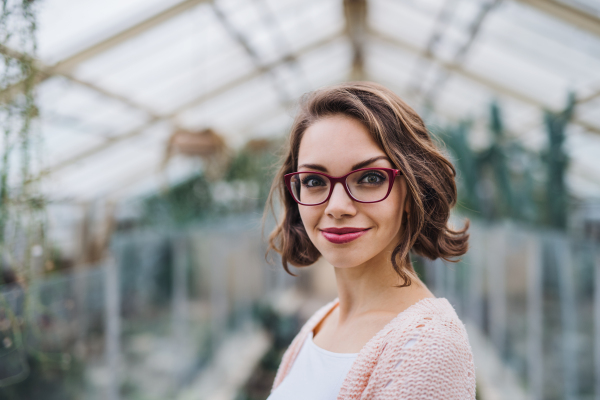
column 476, row 269
column 568, row 315
column 180, row 307
column 450, row 271
column 112, row 318
column 429, row 272
column 597, row 321
column 356, row 26
column 535, row 362
column 35, row 274
column 144, row 286
column 496, row 246
column 219, row 301
column 440, row 277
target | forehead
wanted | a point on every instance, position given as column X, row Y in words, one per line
column 337, row 140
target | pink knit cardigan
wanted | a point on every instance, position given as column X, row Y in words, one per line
column 423, row 353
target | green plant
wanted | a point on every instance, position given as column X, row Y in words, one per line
column 22, row 207
column 20, row 200
column 500, row 181
column 557, row 161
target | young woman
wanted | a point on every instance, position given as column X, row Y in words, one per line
column 363, row 184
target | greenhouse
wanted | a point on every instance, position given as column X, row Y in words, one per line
column 140, row 140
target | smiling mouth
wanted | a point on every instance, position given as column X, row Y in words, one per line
column 343, row 235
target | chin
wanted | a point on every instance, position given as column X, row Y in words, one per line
column 343, row 258
column 342, row 264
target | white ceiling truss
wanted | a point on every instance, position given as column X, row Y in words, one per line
column 122, row 77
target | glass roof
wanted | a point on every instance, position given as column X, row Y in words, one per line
column 125, row 74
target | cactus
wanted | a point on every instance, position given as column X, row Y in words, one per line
column 556, row 163
column 496, row 158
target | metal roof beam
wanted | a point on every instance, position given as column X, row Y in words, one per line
column 355, row 12
column 566, row 13
column 71, row 62
column 44, row 72
column 243, row 41
column 452, row 67
column 108, row 143
column 423, row 65
column 473, row 31
column 196, row 102
column 262, row 70
column 279, row 39
column 589, row 98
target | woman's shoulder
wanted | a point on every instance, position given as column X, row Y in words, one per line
column 430, row 311
column 431, row 327
column 422, row 353
column 427, row 350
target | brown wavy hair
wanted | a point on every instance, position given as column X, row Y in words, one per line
column 402, row 135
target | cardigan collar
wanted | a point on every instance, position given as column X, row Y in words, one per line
column 374, row 346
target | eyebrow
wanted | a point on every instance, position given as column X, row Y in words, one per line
column 362, row 164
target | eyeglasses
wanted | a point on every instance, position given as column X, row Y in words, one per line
column 365, row 185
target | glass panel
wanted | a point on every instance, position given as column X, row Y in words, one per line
column 67, row 26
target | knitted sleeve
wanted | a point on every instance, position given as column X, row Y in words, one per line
column 431, row 360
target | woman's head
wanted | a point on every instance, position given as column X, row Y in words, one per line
column 357, row 125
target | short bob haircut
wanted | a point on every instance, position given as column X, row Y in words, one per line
column 402, row 135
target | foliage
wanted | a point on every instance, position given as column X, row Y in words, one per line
column 502, row 180
column 59, row 379
column 187, row 201
column 21, row 205
column 22, row 208
column 556, row 161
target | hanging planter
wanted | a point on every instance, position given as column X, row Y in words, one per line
column 205, row 144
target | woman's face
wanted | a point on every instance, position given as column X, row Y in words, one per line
column 337, row 145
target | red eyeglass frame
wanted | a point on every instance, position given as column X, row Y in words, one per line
column 392, row 174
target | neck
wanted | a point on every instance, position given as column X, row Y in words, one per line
column 371, row 287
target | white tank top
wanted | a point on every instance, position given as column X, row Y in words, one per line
column 316, row 374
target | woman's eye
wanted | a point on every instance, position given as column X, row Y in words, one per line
column 372, row 178
column 312, row 182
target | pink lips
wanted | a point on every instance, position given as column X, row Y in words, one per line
column 343, row 235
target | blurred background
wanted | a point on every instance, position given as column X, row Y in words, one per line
column 139, row 140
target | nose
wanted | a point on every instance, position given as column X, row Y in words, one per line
column 340, row 204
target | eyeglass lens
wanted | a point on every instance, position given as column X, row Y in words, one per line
column 369, row 185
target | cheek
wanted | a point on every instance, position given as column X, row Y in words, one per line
column 396, row 198
column 391, row 210
column 388, row 218
column 310, row 217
